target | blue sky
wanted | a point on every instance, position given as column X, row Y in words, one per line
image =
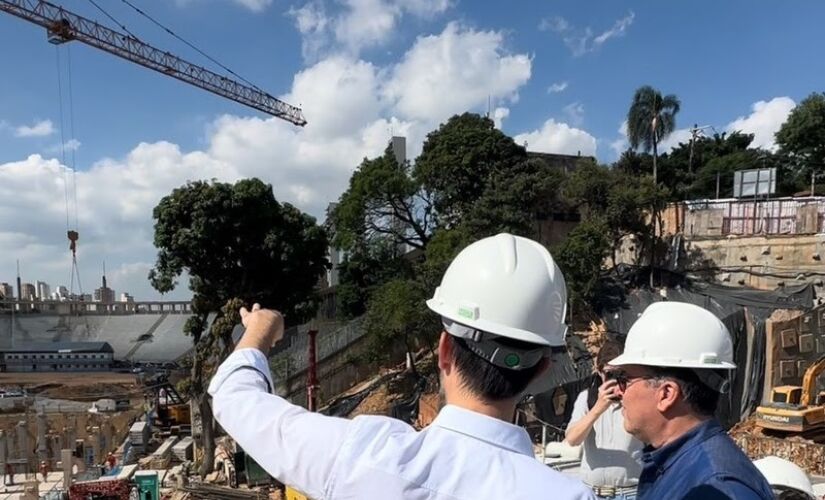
column 559, row 75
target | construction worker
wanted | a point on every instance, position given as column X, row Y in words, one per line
column 611, row 458
column 788, row 480
column 669, row 377
column 502, row 303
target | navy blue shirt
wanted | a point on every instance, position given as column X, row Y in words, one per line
column 704, row 464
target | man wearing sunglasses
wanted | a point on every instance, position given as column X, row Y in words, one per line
column 669, row 378
column 611, row 458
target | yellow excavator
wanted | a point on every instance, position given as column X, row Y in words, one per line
column 794, row 409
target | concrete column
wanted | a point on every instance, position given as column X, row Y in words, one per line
column 66, row 463
column 107, row 445
column 42, row 448
column 23, row 443
column 3, row 451
column 95, row 438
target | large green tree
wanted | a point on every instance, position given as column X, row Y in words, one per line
column 650, row 119
column 802, row 137
column 238, row 245
column 458, row 160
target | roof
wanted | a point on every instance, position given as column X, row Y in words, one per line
column 62, row 346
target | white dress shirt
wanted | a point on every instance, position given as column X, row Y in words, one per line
column 462, row 455
column 610, row 456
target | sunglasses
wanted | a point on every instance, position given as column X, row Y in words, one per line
column 623, row 380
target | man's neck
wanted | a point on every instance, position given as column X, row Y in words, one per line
column 676, row 428
column 502, row 410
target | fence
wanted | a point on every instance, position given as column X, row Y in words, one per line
column 748, row 217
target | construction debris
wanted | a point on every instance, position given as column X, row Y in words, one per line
column 212, row 492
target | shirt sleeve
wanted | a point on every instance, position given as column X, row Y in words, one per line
column 293, row 445
column 724, row 487
column 579, row 408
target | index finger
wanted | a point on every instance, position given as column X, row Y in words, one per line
column 244, row 312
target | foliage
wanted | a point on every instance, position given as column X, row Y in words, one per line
column 397, row 314
column 238, row 241
column 581, row 257
column 382, row 202
column 458, row 159
column 802, row 138
column 651, row 118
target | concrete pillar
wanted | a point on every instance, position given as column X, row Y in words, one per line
column 108, row 444
column 42, row 448
column 95, row 438
column 66, row 463
column 23, row 443
column 55, row 445
column 3, row 451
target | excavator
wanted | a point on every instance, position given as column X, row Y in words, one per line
column 796, row 409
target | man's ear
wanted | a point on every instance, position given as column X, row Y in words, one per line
column 445, row 353
column 668, row 394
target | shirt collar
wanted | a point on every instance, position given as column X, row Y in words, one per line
column 492, row 430
column 664, row 457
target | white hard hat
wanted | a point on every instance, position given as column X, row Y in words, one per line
column 677, row 334
column 784, row 474
column 507, row 286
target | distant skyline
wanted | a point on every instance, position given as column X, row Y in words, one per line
column 558, row 75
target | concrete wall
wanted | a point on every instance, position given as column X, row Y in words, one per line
column 763, row 262
column 794, row 341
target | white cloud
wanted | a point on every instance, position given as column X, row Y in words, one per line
column 575, row 113
column 42, row 128
column 676, row 137
column 70, row 145
column 499, row 114
column 580, row 41
column 618, row 29
column 765, row 120
column 557, row 87
column 621, row 144
column 453, row 72
column 254, row 5
column 357, row 25
column 560, row 138
column 312, row 22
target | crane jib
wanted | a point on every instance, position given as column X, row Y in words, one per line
column 64, row 26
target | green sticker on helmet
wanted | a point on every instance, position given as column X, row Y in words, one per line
column 512, row 360
column 466, row 312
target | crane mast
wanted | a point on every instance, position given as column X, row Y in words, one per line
column 64, row 26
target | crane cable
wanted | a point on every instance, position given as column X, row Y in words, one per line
column 71, row 233
column 190, row 45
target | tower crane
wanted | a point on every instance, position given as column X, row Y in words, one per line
column 64, row 26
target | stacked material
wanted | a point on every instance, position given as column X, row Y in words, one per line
column 139, row 435
column 183, row 450
column 161, row 457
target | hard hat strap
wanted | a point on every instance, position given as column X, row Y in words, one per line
column 494, row 349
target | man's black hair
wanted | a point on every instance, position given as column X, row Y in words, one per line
column 484, row 379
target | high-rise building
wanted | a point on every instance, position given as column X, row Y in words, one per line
column 125, row 297
column 28, row 291
column 104, row 294
column 43, row 291
column 61, row 293
column 6, row 291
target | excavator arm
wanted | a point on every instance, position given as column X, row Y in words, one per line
column 809, row 386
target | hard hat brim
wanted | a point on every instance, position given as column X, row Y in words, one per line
column 633, row 359
column 490, row 327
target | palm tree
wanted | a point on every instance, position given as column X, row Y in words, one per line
column 650, row 119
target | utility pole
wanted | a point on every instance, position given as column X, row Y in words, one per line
column 695, row 132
